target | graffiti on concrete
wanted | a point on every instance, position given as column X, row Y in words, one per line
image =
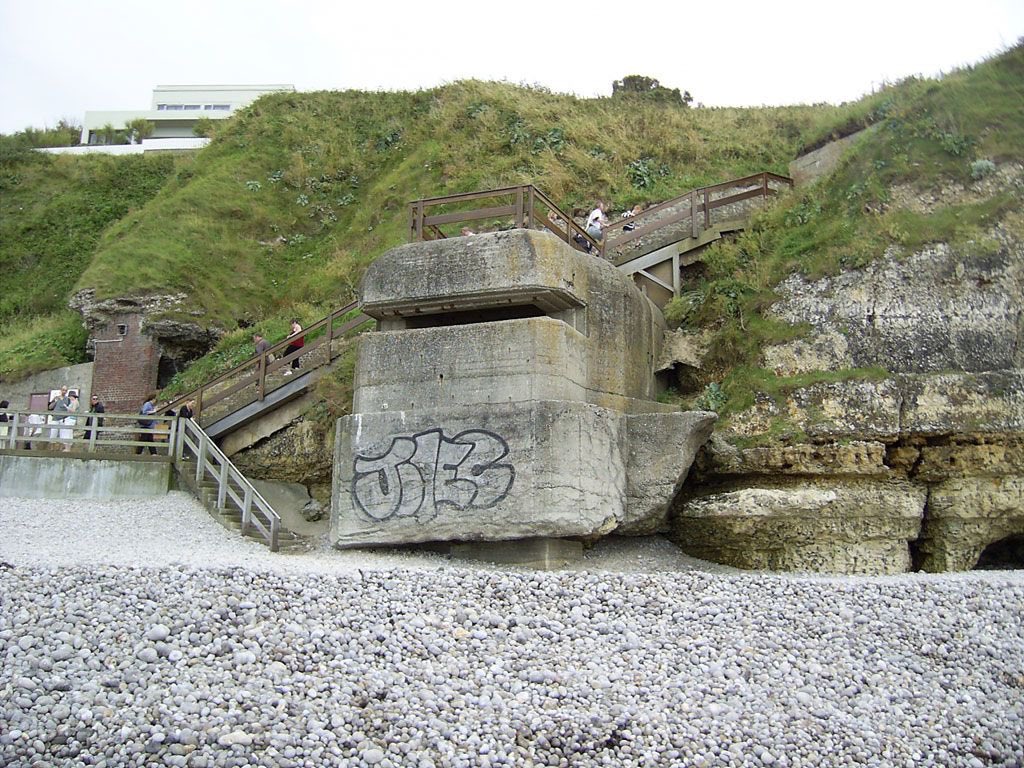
column 422, row 474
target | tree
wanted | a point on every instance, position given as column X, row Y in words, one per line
column 138, row 129
column 64, row 134
column 108, row 134
column 203, row 128
column 649, row 88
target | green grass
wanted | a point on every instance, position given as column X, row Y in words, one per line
column 927, row 136
column 298, row 193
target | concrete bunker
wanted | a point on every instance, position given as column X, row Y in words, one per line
column 507, row 393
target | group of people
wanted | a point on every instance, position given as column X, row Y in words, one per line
column 58, row 429
column 296, row 341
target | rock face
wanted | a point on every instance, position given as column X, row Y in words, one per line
column 507, row 394
column 920, row 467
column 302, row 453
column 177, row 341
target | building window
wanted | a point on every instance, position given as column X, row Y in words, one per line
column 122, row 330
column 190, row 106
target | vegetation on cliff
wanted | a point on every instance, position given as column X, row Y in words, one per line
column 299, row 192
column 925, row 136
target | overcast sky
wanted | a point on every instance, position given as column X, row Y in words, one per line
column 60, row 58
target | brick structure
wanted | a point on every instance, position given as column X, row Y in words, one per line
column 125, row 363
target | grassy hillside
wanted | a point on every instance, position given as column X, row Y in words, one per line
column 927, row 135
column 53, row 211
column 299, row 192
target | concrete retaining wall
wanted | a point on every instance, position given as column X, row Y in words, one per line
column 38, row 477
column 75, row 376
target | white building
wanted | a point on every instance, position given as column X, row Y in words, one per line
column 177, row 108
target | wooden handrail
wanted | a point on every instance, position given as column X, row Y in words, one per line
column 256, row 369
column 231, row 484
column 526, row 199
column 652, row 219
column 526, row 209
column 112, row 432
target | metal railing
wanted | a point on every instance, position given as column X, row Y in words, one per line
column 211, row 464
column 78, row 433
column 254, row 372
column 526, row 206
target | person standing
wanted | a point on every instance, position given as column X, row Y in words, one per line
column 59, row 404
column 296, row 343
column 597, row 221
column 4, row 405
column 187, row 411
column 147, row 410
column 95, row 406
column 67, row 430
column 262, row 345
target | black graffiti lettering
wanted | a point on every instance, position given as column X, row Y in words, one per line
column 388, row 485
column 419, row 475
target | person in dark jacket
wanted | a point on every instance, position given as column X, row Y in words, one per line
column 147, row 410
column 95, row 406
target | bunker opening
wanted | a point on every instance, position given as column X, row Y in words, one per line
column 473, row 316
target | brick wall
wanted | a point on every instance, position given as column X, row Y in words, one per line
column 125, row 364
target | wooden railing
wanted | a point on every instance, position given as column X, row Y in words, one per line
column 194, row 445
column 255, row 371
column 695, row 206
column 78, row 433
column 526, row 206
column 529, row 208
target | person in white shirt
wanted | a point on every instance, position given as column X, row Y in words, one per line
column 597, row 221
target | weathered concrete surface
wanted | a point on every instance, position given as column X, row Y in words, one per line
column 659, row 444
column 75, row 376
column 40, row 477
column 507, row 395
column 823, row 525
column 610, row 336
column 507, row 472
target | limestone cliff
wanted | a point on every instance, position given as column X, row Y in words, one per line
column 920, row 467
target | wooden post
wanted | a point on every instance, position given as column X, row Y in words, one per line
column 201, row 459
column 707, row 209
column 246, row 508
column 179, row 447
column 222, row 485
column 330, row 335
column 12, row 432
column 261, row 377
column 529, row 207
column 693, row 214
column 172, row 436
column 519, row 208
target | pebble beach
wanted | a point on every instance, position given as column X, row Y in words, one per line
column 140, row 632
